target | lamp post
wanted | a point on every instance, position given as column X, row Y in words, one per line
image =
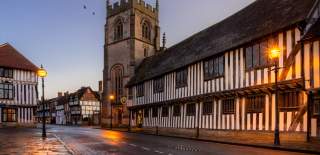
column 274, row 55
column 42, row 73
column 111, row 98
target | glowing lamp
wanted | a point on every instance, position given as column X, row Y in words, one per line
column 111, row 97
column 275, row 53
column 42, row 72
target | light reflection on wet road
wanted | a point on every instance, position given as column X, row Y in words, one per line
column 96, row 141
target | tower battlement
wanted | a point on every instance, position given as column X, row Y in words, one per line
column 123, row 5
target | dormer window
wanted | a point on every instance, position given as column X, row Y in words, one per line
column 146, row 31
column 118, row 31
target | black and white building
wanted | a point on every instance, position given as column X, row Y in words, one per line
column 18, row 87
column 221, row 78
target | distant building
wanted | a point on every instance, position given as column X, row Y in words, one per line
column 79, row 108
column 61, row 103
column 18, row 88
column 84, row 107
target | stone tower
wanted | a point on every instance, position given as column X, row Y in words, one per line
column 131, row 34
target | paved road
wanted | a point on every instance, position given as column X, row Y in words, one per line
column 95, row 141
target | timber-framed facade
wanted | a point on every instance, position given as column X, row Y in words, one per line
column 227, row 81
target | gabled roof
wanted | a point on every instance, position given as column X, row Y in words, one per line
column 11, row 58
column 261, row 18
column 82, row 91
column 313, row 32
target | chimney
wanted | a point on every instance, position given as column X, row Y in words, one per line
column 100, row 86
column 60, row 94
column 66, row 93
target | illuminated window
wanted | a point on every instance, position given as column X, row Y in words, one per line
column 9, row 115
column 228, row 106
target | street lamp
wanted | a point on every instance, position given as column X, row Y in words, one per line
column 111, row 98
column 43, row 73
column 274, row 55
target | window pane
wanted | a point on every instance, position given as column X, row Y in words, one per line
column 221, row 66
column 264, row 53
column 249, row 58
column 211, row 68
column 255, row 55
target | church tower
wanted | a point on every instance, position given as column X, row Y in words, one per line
column 131, row 34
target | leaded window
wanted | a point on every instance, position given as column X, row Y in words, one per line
column 257, row 53
column 176, row 110
column 182, row 78
column 228, row 106
column 155, row 112
column 214, row 68
column 6, row 73
column 165, row 111
column 207, row 108
column 146, row 112
column 146, row 31
column 191, row 109
column 6, row 91
column 255, row 104
column 290, row 100
column 118, row 31
column 140, row 90
column 158, row 85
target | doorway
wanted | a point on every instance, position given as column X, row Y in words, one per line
column 139, row 119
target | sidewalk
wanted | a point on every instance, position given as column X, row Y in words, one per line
column 253, row 140
column 29, row 141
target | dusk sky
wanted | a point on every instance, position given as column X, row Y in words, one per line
column 68, row 40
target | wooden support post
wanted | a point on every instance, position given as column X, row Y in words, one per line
column 309, row 115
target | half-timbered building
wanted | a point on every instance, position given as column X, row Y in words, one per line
column 222, row 77
column 18, row 88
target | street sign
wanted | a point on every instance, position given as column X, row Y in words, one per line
column 123, row 100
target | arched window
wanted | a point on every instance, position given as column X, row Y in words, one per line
column 118, row 30
column 117, row 82
column 146, row 31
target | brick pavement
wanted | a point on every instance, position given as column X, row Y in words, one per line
column 28, row 141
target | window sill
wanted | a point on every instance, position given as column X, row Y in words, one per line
column 258, row 68
column 206, row 114
column 184, row 86
column 213, row 78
